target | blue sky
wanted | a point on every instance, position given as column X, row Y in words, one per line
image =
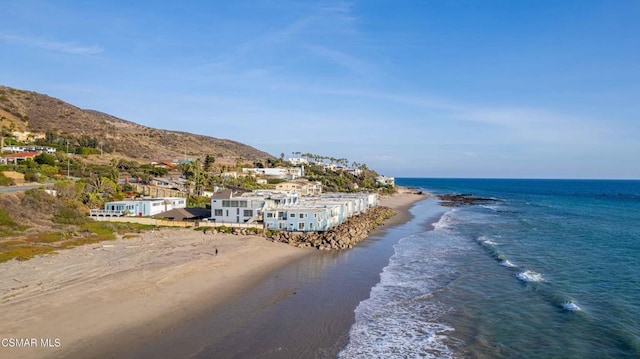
column 442, row 88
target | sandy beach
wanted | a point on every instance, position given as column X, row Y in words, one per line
column 58, row 305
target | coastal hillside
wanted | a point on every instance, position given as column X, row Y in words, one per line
column 28, row 111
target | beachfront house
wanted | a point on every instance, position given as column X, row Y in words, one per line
column 318, row 213
column 228, row 206
column 304, row 217
column 140, row 207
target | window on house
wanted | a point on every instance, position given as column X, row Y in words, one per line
column 292, row 215
column 310, row 225
column 217, row 212
column 269, row 215
column 301, row 225
column 248, row 213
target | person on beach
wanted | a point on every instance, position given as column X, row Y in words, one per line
column 216, row 251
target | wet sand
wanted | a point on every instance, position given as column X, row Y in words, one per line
column 167, row 293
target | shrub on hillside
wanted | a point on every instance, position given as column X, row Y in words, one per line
column 31, row 177
column 45, row 159
column 69, row 213
column 5, row 181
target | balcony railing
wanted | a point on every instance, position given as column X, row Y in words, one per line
column 105, row 213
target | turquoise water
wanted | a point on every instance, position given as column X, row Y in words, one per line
column 551, row 270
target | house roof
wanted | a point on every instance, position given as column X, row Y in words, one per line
column 222, row 194
column 22, row 154
column 168, row 164
column 181, row 214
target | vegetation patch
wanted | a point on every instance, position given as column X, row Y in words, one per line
column 23, row 253
column 8, row 225
column 50, row 242
column 5, row 181
column 49, row 237
column 225, row 229
column 85, row 240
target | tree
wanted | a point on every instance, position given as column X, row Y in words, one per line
column 69, row 190
column 49, row 171
column 239, row 161
column 45, row 159
column 208, row 161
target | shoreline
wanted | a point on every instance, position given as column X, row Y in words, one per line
column 130, row 291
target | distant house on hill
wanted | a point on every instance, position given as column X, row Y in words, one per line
column 290, row 173
column 27, row 136
column 179, row 184
column 165, row 164
column 386, row 181
column 297, row 161
column 302, row 186
column 15, row 158
column 16, row 149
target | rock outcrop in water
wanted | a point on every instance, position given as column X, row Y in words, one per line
column 453, row 200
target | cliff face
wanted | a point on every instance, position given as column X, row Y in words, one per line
column 30, row 111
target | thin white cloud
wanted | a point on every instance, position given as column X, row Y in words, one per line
column 352, row 63
column 533, row 125
column 64, row 47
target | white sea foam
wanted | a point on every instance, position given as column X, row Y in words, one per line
column 493, row 208
column 402, row 316
column 444, row 221
column 530, row 276
column 507, row 263
column 571, row 306
column 486, row 241
column 388, row 331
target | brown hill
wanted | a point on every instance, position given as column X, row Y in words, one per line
column 30, row 111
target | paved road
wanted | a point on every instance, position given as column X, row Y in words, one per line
column 7, row 189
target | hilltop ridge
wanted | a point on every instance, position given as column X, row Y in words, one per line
column 30, row 111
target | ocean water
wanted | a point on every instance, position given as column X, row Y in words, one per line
column 549, row 270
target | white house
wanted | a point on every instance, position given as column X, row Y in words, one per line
column 174, row 183
column 302, row 186
column 278, row 172
column 297, row 161
column 140, row 207
column 302, row 218
column 386, row 181
column 16, row 149
column 228, row 206
column 318, row 213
